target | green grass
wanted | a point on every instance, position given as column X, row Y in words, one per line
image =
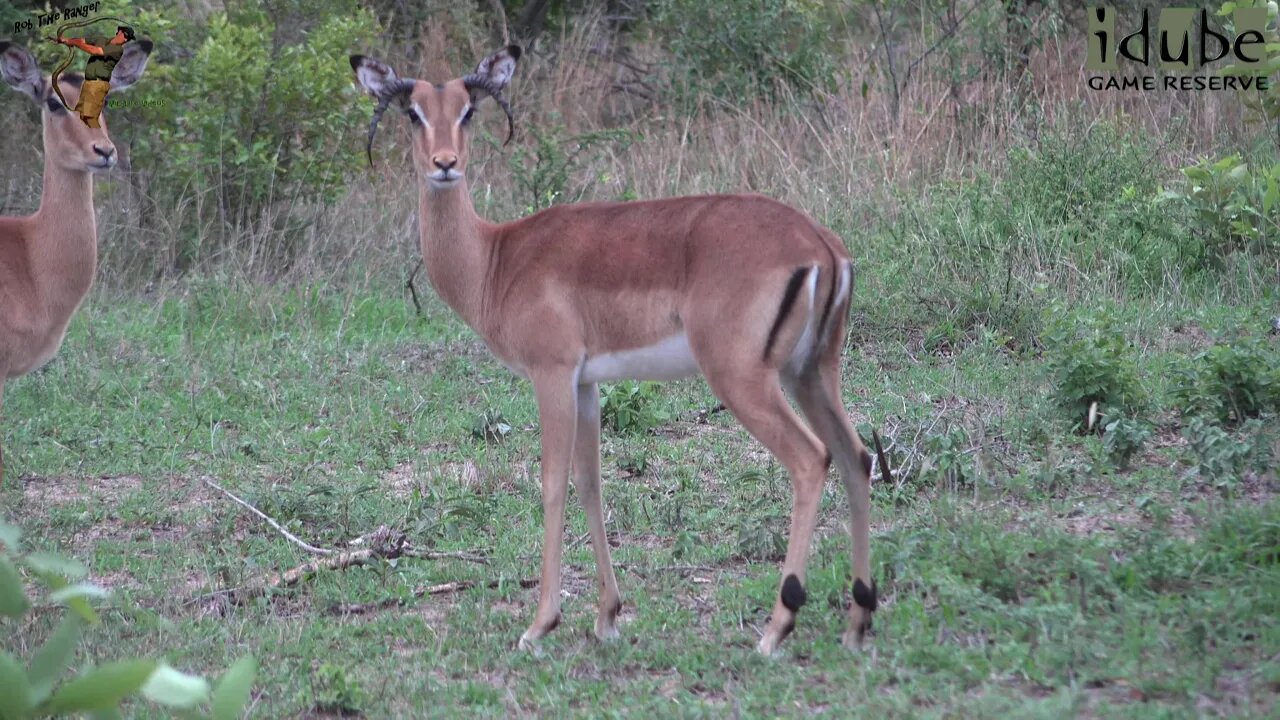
column 1033, row 579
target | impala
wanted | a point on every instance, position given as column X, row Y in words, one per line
column 745, row 290
column 47, row 260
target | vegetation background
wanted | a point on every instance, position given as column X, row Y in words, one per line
column 1065, row 325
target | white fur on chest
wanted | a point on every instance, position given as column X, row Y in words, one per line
column 669, row 359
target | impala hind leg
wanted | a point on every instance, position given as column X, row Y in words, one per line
column 586, row 479
column 557, row 414
column 817, row 392
column 755, row 397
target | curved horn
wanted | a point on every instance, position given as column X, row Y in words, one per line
column 476, row 82
column 396, row 90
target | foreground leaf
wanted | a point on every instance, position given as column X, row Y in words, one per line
column 13, row 601
column 101, row 688
column 174, row 688
column 53, row 657
column 14, row 688
column 232, row 692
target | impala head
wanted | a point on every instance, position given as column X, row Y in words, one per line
column 68, row 142
column 439, row 114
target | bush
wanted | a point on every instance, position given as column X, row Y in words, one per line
column 632, row 407
column 1235, row 208
column 253, row 131
column 1093, row 364
column 736, row 49
column 1222, row 457
column 1231, row 382
column 1124, row 438
column 35, row 691
column 544, row 173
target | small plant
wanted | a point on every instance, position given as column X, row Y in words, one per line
column 333, row 691
column 1096, row 371
column 949, row 458
column 546, row 172
column 1221, row 458
column 39, row 688
column 1124, row 438
column 632, row 407
column 490, row 426
column 1231, row 382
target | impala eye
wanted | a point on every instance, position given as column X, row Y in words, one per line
column 413, row 116
column 54, row 105
column 466, row 116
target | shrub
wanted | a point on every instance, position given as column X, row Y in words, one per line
column 1093, row 364
column 1231, row 382
column 736, row 49
column 1222, row 457
column 544, row 173
column 33, row 689
column 632, row 407
column 333, row 691
column 1124, row 438
column 1235, row 208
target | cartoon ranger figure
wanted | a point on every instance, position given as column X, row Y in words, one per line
column 104, row 53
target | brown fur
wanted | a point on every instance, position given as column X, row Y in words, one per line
column 553, row 290
column 48, row 259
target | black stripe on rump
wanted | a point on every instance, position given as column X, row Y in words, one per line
column 788, row 299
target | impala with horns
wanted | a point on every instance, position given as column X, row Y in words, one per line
column 745, row 290
column 48, row 260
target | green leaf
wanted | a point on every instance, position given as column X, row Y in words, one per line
column 10, row 535
column 78, row 590
column 100, row 688
column 232, row 692
column 13, row 601
column 51, row 564
column 53, row 657
column 174, row 688
column 77, row 598
column 14, row 687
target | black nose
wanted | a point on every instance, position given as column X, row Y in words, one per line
column 105, row 152
column 445, row 164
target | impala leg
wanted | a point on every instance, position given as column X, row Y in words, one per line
column 818, row 395
column 586, row 479
column 755, row 397
column 557, row 412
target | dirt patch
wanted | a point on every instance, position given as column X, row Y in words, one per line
column 46, row 491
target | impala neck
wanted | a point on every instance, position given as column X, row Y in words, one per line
column 455, row 248
column 64, row 245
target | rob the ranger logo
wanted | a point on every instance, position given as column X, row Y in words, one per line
column 1180, row 46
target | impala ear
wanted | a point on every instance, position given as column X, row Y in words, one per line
column 498, row 68
column 376, row 77
column 132, row 64
column 20, row 71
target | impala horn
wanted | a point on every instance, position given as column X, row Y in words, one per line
column 396, row 89
column 483, row 84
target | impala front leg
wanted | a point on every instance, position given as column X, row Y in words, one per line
column 557, row 411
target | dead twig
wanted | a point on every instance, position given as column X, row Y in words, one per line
column 279, row 528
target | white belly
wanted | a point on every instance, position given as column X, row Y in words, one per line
column 669, row 359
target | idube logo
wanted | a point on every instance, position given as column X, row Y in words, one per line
column 1181, row 45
